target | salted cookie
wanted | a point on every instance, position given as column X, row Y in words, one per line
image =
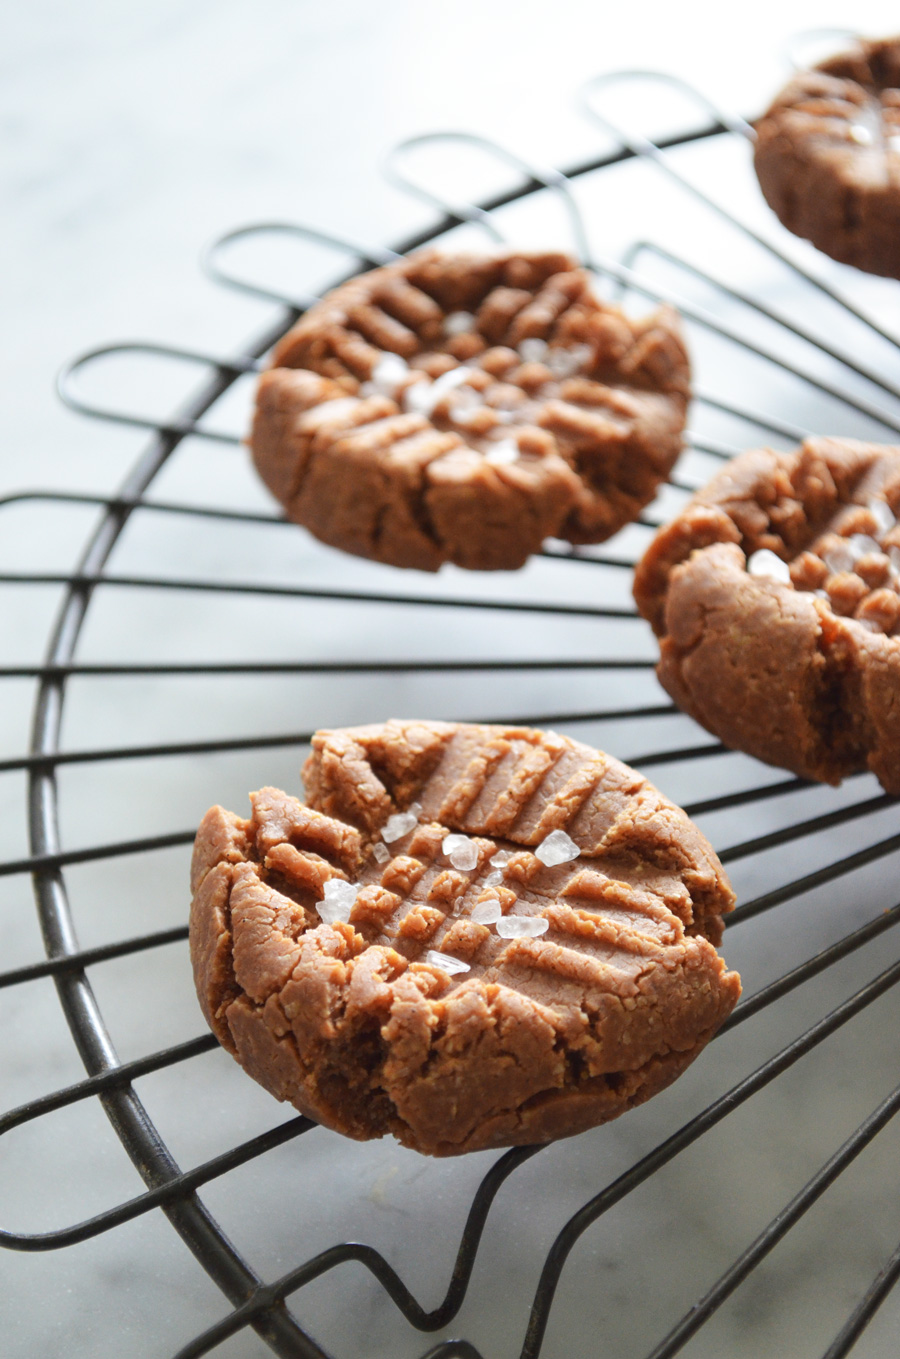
column 775, row 598
column 468, row 936
column 828, row 156
column 462, row 408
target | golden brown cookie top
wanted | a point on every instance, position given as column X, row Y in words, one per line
column 442, row 881
column 821, row 520
column 463, row 376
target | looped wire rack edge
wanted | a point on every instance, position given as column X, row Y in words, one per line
column 517, row 1269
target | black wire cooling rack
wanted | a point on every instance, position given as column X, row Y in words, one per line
column 784, row 343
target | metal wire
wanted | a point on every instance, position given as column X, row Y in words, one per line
column 256, row 1303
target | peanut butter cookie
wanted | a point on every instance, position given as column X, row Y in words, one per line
column 463, row 408
column 776, row 598
column 468, row 936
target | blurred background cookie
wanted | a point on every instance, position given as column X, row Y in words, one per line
column 828, row 156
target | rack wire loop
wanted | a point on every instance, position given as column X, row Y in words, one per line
column 210, row 259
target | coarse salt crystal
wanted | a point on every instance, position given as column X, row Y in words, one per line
column 461, row 851
column 567, row 362
column 467, row 417
column 861, row 134
column 881, row 512
column 502, row 453
column 338, row 901
column 861, row 544
column 558, row 848
column 486, row 912
column 415, row 809
column 767, row 564
column 454, row 377
column 894, row 557
column 381, row 853
column 839, row 559
column 445, row 962
column 338, row 408
column 459, row 323
column 464, row 858
column 533, row 350
column 501, row 858
column 398, row 825
column 493, row 879
column 389, row 372
column 522, row 926
column 419, row 398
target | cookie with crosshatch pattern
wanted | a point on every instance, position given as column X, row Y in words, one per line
column 463, row 408
column 468, row 936
column 776, row 598
column 827, row 156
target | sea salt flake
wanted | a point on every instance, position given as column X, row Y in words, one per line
column 461, row 851
column 861, row 544
column 522, row 926
column 338, row 901
column 533, row 350
column 389, row 372
column 558, row 848
column 419, row 398
column 445, row 962
column 881, row 512
column 839, row 559
column 449, row 381
column 339, row 407
column 381, row 853
column 501, row 858
column 565, row 363
column 398, row 825
column 487, row 912
column 861, row 134
column 767, row 564
column 493, row 879
column 467, row 408
column 502, row 453
column 459, row 323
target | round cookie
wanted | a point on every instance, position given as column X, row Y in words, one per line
column 468, row 936
column 828, row 156
column 462, row 408
column 775, row 598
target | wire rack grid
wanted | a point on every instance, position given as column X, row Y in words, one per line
column 768, row 1152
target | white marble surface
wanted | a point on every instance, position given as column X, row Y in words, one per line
column 132, row 135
